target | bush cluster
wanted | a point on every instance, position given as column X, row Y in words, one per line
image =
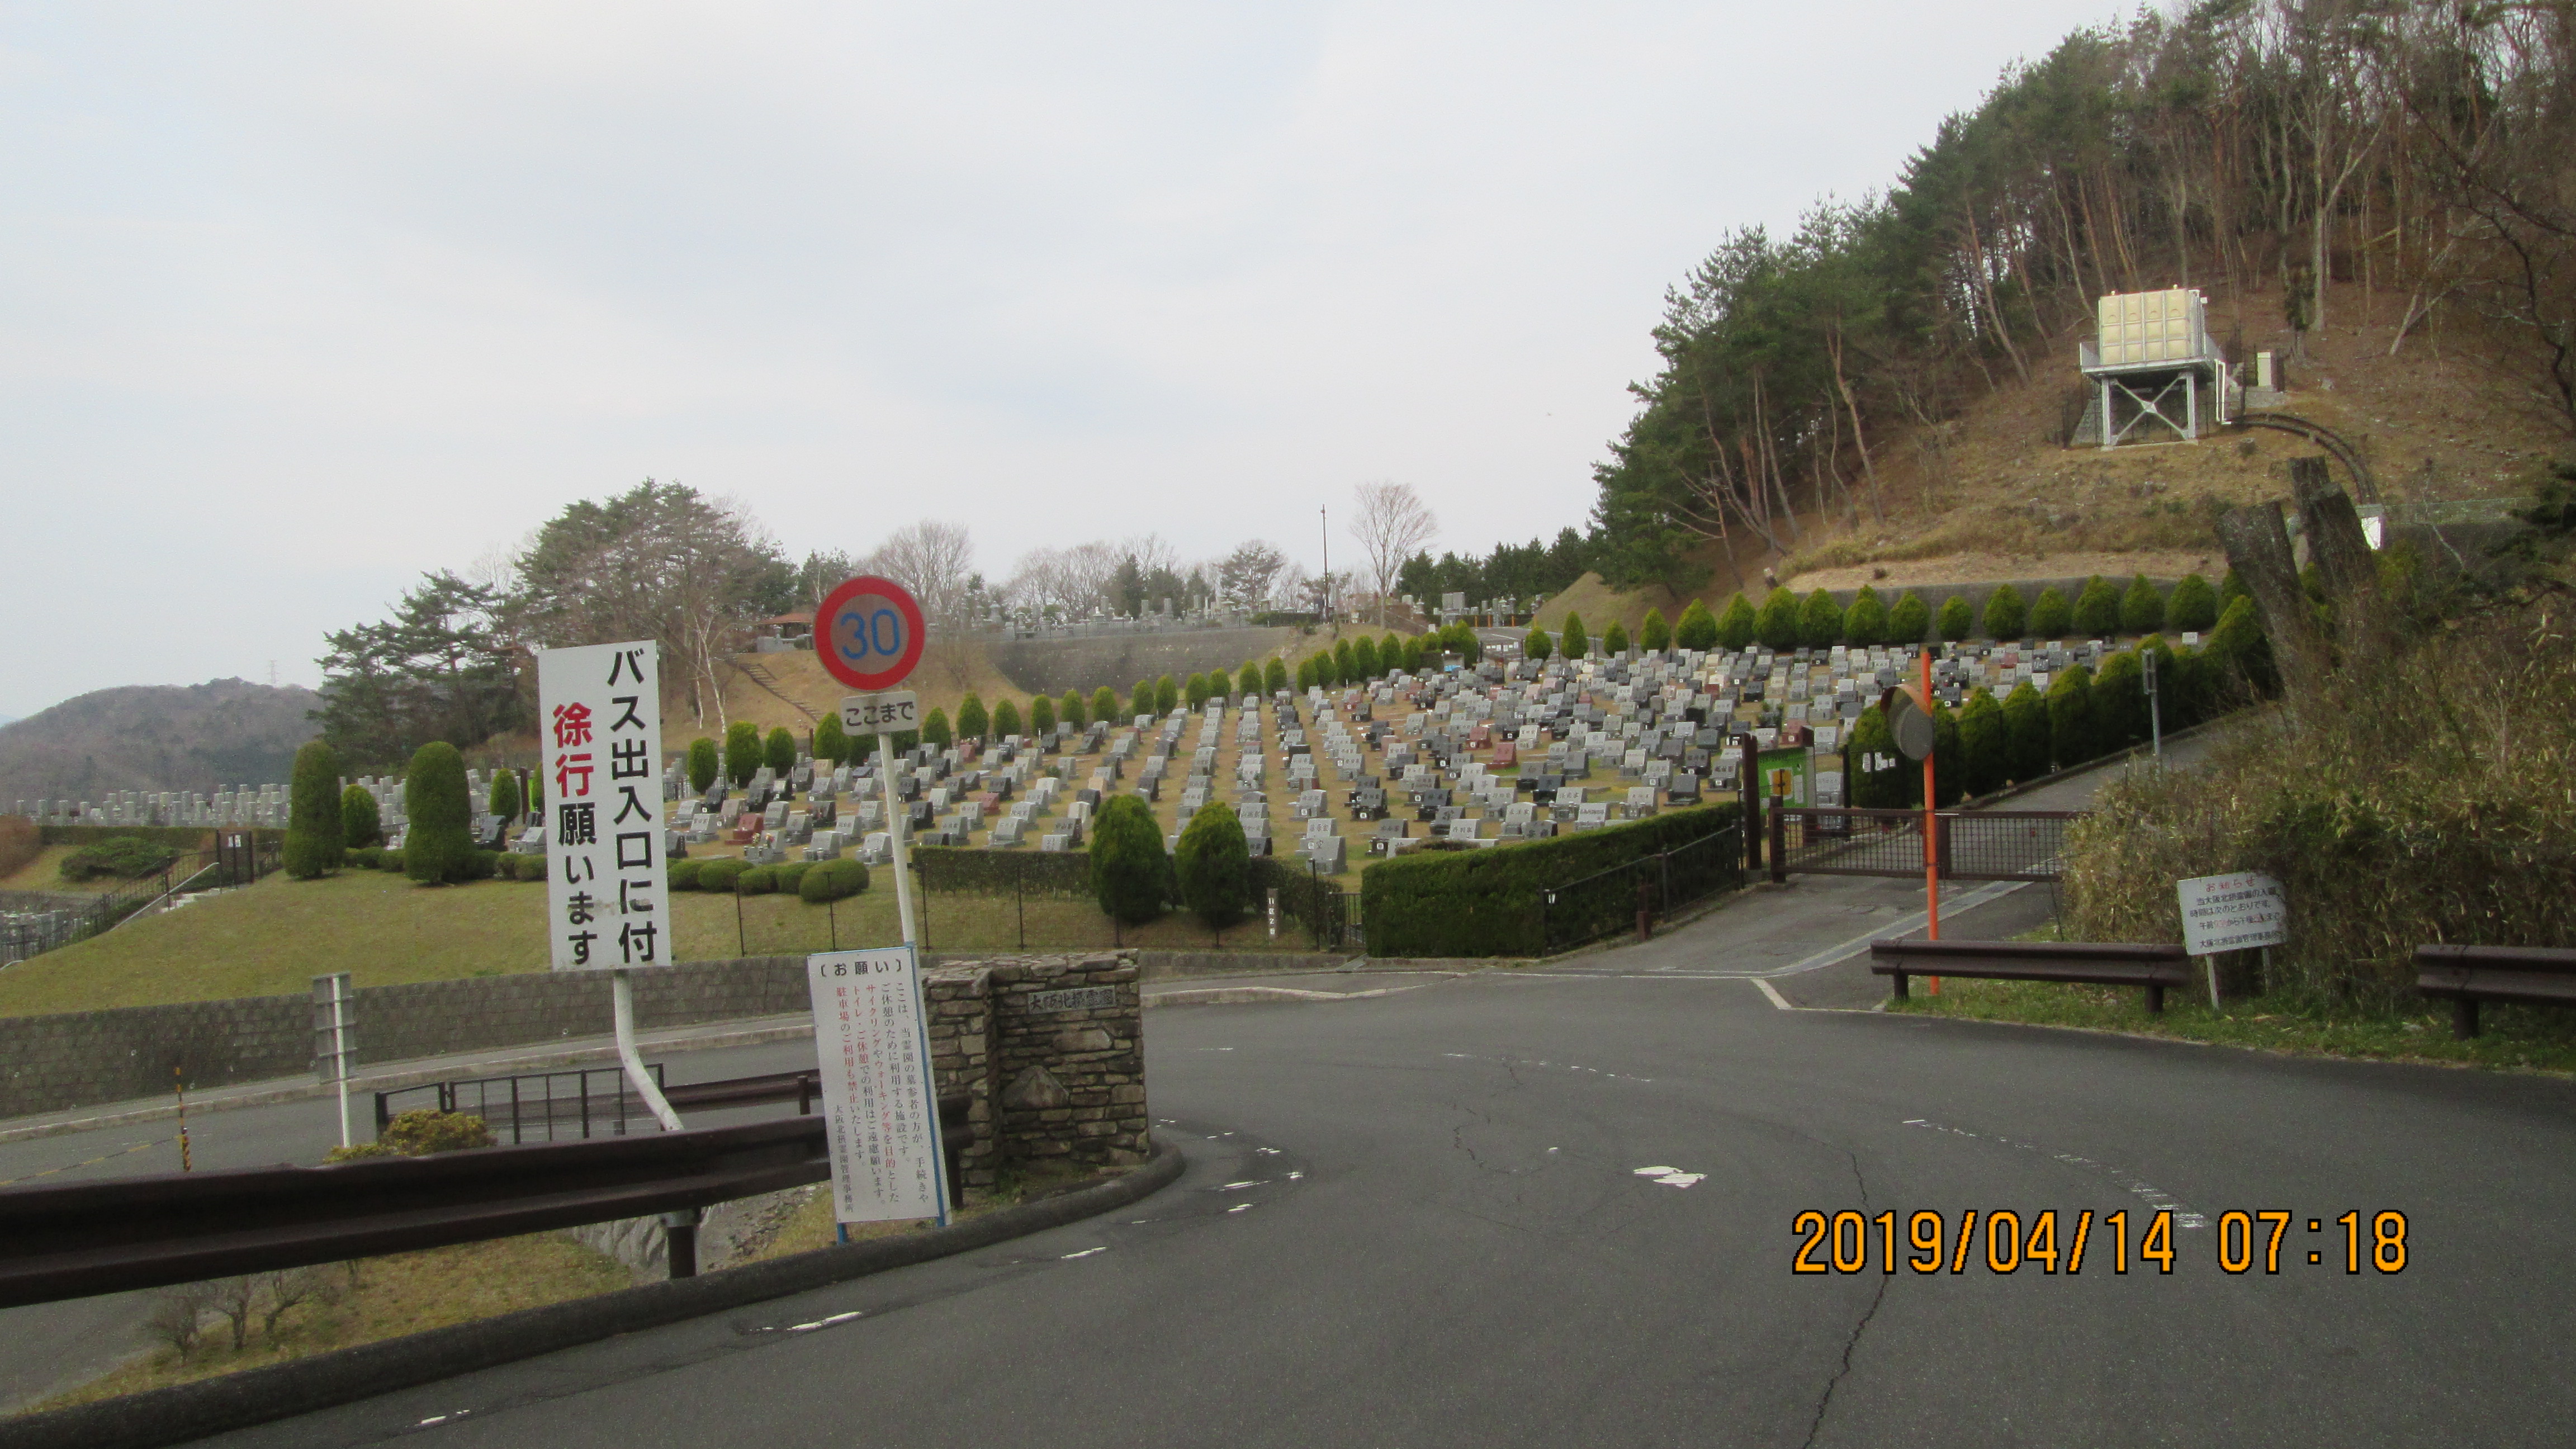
column 123, row 857
column 1490, row 902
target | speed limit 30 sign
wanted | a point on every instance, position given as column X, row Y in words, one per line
column 869, row 633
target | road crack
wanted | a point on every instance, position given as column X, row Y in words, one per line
column 1825, row 1400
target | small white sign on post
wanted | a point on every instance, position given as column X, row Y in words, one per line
column 892, row 711
column 599, row 720
column 2233, row 913
column 880, row 1103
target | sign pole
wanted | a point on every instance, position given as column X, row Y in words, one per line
column 1931, row 824
column 894, row 837
column 621, row 995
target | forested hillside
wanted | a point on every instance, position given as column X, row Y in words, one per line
column 155, row 737
column 2408, row 163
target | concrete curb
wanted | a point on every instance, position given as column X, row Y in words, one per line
column 256, row 1396
column 499, row 1062
column 1230, row 995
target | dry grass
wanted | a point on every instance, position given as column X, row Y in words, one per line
column 393, row 1296
column 2430, row 798
column 43, row 871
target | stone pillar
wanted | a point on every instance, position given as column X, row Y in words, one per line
column 1070, row 1031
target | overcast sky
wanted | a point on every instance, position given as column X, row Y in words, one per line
column 297, row 302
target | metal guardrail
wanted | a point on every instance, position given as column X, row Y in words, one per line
column 2156, row 967
column 1970, row 844
column 2530, row 975
column 537, row 1106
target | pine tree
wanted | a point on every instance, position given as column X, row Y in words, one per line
column 2142, row 608
column 2026, row 734
column 1957, row 620
column 1213, row 866
column 1985, row 743
column 1041, row 715
column 1909, row 621
column 1739, row 627
column 314, row 826
column 1865, row 623
column 1697, row 628
column 361, row 823
column 704, row 765
column 1006, row 719
column 1655, row 635
column 973, row 721
column 1131, row 873
column 1535, row 645
column 2049, row 616
column 2097, row 609
column 438, row 844
column 935, row 730
column 1777, row 625
column 1576, row 643
column 741, row 752
column 2072, row 739
column 503, row 798
column 780, row 753
column 1820, row 621
column 2006, row 618
column 2193, row 607
column 1071, row 710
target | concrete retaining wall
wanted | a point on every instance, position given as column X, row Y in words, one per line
column 1052, row 666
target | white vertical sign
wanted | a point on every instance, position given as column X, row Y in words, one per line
column 880, row 1107
column 599, row 720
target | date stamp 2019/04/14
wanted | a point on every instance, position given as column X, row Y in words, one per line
column 2006, row 1242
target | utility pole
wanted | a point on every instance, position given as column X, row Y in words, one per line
column 1324, row 522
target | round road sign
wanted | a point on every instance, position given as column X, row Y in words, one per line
column 869, row 633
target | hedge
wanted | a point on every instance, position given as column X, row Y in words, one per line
column 720, row 875
column 1490, row 902
column 1062, row 873
column 759, row 880
column 832, row 880
column 682, row 875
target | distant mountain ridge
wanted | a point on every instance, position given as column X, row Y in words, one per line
column 199, row 737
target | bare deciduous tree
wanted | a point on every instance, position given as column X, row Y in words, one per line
column 1392, row 525
column 932, row 558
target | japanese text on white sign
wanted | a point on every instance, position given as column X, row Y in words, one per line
column 599, row 720
column 892, row 712
column 880, row 1107
column 2233, row 913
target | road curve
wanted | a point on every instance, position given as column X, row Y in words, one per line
column 1422, row 1219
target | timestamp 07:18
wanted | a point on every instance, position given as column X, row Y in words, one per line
column 2004, row 1242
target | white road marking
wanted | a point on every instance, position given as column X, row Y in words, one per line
column 2154, row 1197
column 824, row 1322
column 1773, row 992
column 1085, row 1253
column 1231, row 1186
column 1681, row 1179
column 1653, row 1171
column 1241, row 1207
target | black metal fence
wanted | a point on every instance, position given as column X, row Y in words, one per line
column 1643, row 891
column 538, row 1107
column 1968, row 844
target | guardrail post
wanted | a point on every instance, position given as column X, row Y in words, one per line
column 1645, row 909
column 680, row 1241
column 1779, row 847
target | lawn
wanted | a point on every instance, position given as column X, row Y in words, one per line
column 45, row 873
column 2514, row 1039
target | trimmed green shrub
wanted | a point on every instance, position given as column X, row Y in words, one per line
column 741, row 752
column 779, row 753
column 720, row 875
column 2142, row 608
column 1006, row 719
column 1697, row 628
column 1364, row 657
column 2193, row 606
column 505, row 798
column 1957, row 621
column 681, row 875
column 2119, row 703
column 1412, row 656
column 1104, row 705
column 1820, row 621
column 1872, row 742
column 758, row 880
column 787, row 876
column 1614, row 640
column 1140, row 700
column 831, row 742
column 704, row 765
column 1949, row 765
column 1307, row 677
column 832, row 880
column 1739, row 626
column 362, row 857
column 934, row 729
column 391, row 860
column 1213, row 866
column 536, row 782
column 505, row 866
column 1535, row 645
column 1777, row 624
column 1655, row 635
column 2006, row 617
column 441, row 834
column 1131, row 873
column 313, row 841
column 2071, row 736
column 125, row 857
column 1390, row 654
column 1909, row 621
column 1985, row 743
column 2236, row 660
column 1041, row 715
column 2025, row 734
column 1195, row 693
column 972, row 722
column 2230, row 589
column 2097, row 609
column 1490, row 902
column 1865, row 622
column 361, row 822
column 1072, row 711
column 1274, row 675
column 1577, row 643
column 1167, row 696
column 481, row 864
column 2049, row 616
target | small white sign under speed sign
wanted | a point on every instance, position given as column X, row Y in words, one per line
column 892, row 711
column 2233, row 913
column 879, row 1097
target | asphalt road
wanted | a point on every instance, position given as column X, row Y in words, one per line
column 1423, row 1219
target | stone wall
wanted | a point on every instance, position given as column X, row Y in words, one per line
column 1052, row 666
column 1069, row 1032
